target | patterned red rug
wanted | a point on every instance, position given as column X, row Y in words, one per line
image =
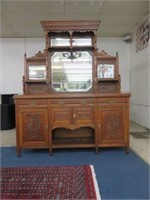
column 71, row 182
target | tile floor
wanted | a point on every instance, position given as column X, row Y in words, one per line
column 139, row 140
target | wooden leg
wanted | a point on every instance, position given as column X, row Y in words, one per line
column 50, row 144
column 127, row 149
column 18, row 152
column 50, row 153
column 96, row 150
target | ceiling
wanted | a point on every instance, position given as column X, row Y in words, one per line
column 118, row 17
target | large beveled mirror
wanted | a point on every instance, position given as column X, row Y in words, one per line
column 71, row 71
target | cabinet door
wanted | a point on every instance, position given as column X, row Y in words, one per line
column 33, row 127
column 84, row 115
column 111, row 125
column 61, row 116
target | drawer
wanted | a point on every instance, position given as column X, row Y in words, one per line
column 33, row 102
column 84, row 115
column 111, row 100
column 73, row 101
column 61, row 116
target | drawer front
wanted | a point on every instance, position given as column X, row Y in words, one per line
column 61, row 117
column 72, row 101
column 84, row 115
column 33, row 102
column 111, row 100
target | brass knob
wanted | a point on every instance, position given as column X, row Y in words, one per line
column 46, row 128
column 83, row 101
column 99, row 126
column 74, row 116
column 112, row 101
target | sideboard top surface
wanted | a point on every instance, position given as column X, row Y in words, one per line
column 72, row 95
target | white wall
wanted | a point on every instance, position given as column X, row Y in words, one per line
column 12, row 65
column 0, row 69
column 13, row 60
column 140, row 86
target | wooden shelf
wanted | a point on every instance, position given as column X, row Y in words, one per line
column 59, row 49
column 107, row 79
column 73, row 142
column 75, row 48
column 83, row 48
column 35, row 81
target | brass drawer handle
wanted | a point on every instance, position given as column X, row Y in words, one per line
column 83, row 101
column 112, row 101
column 74, row 116
column 46, row 128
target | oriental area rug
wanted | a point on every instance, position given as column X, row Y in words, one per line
column 58, row 182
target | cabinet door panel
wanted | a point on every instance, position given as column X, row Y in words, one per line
column 112, row 125
column 61, row 116
column 84, row 115
column 33, row 127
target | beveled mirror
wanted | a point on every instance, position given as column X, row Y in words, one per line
column 105, row 71
column 37, row 72
column 71, row 71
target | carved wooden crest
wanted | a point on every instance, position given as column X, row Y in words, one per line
column 40, row 56
column 104, row 54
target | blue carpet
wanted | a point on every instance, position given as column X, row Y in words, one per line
column 119, row 175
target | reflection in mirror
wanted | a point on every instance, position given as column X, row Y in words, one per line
column 71, row 71
column 37, row 72
column 60, row 42
column 82, row 42
column 105, row 71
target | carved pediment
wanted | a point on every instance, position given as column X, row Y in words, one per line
column 40, row 55
column 102, row 53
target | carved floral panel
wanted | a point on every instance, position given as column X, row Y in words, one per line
column 33, row 127
column 112, row 124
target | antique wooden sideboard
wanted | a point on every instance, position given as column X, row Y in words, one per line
column 72, row 96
